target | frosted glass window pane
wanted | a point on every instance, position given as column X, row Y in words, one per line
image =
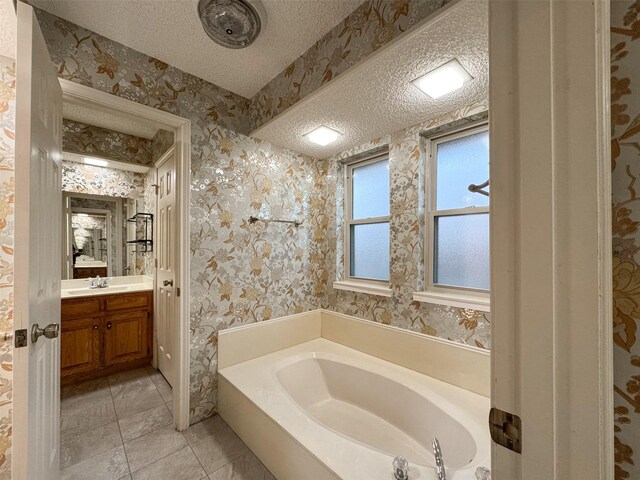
column 462, row 251
column 370, row 190
column 460, row 163
column 370, row 251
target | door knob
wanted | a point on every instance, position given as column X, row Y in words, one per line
column 50, row 331
column 167, row 283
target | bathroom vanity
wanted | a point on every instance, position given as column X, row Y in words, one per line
column 105, row 330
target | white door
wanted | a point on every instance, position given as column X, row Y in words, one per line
column 551, row 239
column 38, row 236
column 165, row 315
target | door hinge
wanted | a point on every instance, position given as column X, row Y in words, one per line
column 178, row 292
column 506, row 429
column 155, row 187
column 20, row 338
column 155, row 262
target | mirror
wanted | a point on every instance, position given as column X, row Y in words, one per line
column 90, row 232
column 95, row 233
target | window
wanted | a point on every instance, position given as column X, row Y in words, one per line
column 366, row 250
column 458, row 219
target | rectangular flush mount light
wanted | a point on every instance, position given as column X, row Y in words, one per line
column 323, row 135
column 97, row 162
column 444, row 79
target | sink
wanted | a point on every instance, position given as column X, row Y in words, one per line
column 87, row 290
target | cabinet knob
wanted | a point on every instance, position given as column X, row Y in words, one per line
column 108, row 325
column 95, row 327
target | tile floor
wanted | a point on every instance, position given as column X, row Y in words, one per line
column 121, row 427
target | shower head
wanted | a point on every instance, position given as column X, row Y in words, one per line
column 231, row 23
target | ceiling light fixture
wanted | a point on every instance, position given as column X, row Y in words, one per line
column 444, row 79
column 97, row 162
column 323, row 135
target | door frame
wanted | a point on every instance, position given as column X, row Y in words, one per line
column 551, row 282
column 75, row 93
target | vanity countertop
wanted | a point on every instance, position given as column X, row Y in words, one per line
column 130, row 284
column 90, row 264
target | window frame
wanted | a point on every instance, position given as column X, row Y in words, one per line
column 453, row 295
column 349, row 282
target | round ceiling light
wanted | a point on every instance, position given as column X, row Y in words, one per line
column 230, row 23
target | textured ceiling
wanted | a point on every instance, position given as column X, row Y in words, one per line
column 170, row 30
column 376, row 97
column 111, row 120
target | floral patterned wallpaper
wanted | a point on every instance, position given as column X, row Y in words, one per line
column 93, row 60
column 366, row 29
column 86, row 139
column 625, row 149
column 7, row 190
column 243, row 273
column 160, row 143
column 81, row 178
column 407, row 177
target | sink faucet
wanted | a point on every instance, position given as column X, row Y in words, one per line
column 437, row 453
column 97, row 282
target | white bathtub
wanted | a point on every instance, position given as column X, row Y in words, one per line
column 351, row 414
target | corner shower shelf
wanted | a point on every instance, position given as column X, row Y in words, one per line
column 144, row 244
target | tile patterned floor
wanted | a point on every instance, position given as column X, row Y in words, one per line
column 121, row 428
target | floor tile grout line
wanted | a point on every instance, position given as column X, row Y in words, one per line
column 111, row 400
column 117, row 421
column 146, row 433
column 121, row 437
column 124, row 450
column 199, row 462
column 94, row 454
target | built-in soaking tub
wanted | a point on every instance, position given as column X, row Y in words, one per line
column 344, row 414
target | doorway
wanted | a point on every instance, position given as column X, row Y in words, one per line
column 171, row 300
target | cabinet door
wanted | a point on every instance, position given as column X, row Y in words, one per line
column 126, row 337
column 80, row 342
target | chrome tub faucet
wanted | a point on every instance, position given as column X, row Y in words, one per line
column 437, row 453
column 400, row 468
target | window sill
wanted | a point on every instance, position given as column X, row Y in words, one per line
column 466, row 300
column 363, row 287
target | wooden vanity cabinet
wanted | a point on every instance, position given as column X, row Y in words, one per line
column 80, row 339
column 104, row 334
column 126, row 337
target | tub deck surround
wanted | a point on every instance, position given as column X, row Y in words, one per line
column 80, row 288
column 354, row 413
column 467, row 367
column 304, row 383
